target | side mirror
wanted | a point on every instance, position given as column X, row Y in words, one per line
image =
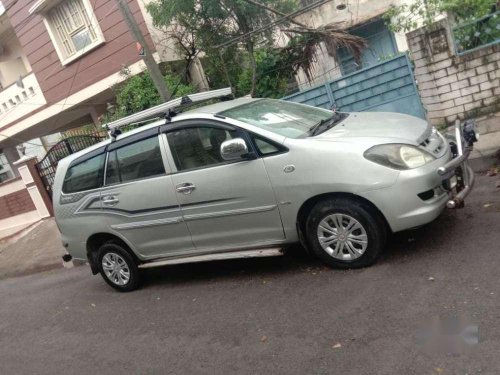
column 233, row 149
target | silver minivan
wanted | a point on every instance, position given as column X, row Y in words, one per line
column 248, row 177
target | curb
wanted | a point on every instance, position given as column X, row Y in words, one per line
column 45, row 268
column 32, row 271
column 21, row 233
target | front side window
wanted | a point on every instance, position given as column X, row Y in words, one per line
column 136, row 161
column 289, row 119
column 83, row 176
column 265, row 147
column 198, row 147
column 73, row 28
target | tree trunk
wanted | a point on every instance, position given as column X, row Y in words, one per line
column 224, row 69
column 253, row 65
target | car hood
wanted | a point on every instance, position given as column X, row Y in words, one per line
column 387, row 125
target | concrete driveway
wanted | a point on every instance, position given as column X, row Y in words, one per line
column 32, row 251
column 287, row 315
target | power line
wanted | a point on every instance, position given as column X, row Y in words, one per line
column 274, row 23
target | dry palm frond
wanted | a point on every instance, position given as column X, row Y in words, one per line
column 334, row 39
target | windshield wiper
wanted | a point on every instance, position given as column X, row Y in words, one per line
column 331, row 121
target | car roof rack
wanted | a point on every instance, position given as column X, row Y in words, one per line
column 167, row 110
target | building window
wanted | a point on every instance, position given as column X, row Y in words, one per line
column 73, row 28
column 5, row 170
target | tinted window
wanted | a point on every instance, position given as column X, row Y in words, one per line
column 84, row 176
column 135, row 161
column 197, row 147
column 265, row 147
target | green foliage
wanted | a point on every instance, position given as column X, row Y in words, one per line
column 138, row 92
column 217, row 20
column 234, row 60
column 273, row 75
column 470, row 35
column 406, row 17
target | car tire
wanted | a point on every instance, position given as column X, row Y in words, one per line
column 118, row 268
column 346, row 233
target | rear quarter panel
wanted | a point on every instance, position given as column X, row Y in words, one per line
column 76, row 227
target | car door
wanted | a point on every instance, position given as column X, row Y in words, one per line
column 225, row 204
column 139, row 199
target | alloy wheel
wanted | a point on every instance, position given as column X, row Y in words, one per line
column 342, row 237
column 116, row 268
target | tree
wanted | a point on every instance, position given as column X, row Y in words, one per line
column 138, row 93
column 247, row 29
column 208, row 23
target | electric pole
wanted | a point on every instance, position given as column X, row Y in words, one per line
column 147, row 57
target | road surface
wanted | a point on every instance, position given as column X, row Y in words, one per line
column 286, row 315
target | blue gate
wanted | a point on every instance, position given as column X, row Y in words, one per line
column 386, row 87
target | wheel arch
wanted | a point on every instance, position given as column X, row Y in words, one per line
column 96, row 240
column 307, row 206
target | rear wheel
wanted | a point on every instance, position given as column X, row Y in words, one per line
column 118, row 268
column 345, row 233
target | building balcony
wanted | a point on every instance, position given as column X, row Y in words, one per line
column 20, row 92
column 20, row 98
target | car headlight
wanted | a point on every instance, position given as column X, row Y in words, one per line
column 398, row 156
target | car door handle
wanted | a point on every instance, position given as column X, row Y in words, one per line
column 185, row 187
column 110, row 200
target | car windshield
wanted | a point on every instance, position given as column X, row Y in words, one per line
column 289, row 119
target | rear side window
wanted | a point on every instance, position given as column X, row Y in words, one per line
column 136, row 161
column 86, row 175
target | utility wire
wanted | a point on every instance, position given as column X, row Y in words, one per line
column 281, row 20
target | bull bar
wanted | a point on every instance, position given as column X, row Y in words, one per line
column 464, row 140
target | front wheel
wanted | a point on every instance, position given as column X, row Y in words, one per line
column 345, row 233
column 118, row 268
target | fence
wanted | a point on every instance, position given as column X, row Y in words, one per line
column 478, row 33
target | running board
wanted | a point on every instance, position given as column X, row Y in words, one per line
column 269, row 252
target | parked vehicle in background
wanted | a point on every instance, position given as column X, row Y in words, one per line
column 248, row 177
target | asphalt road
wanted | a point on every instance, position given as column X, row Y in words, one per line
column 287, row 315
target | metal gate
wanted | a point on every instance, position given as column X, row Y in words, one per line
column 48, row 165
column 386, row 87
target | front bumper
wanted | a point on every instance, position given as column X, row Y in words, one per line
column 420, row 195
column 459, row 167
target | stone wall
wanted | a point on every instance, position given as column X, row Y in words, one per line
column 453, row 86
